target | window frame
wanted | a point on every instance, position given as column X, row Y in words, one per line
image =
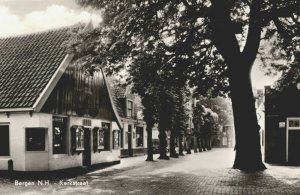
column 130, row 112
column 106, row 136
column 136, row 137
column 64, row 136
column 80, row 133
column 45, row 130
column 118, row 133
column 100, row 131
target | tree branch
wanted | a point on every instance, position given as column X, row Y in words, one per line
column 254, row 33
column 247, row 2
column 274, row 13
column 202, row 13
column 280, row 28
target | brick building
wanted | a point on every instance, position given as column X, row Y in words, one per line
column 133, row 134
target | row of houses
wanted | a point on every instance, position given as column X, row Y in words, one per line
column 53, row 116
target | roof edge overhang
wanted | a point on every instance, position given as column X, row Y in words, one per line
column 119, row 122
column 16, row 110
column 56, row 77
column 52, row 83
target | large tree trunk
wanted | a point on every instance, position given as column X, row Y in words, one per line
column 173, row 152
column 149, row 142
column 188, row 144
column 201, row 143
column 248, row 151
column 180, row 144
column 195, row 143
column 162, row 143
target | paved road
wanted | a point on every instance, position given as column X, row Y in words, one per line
column 201, row 173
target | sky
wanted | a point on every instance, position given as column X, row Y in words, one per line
column 27, row 16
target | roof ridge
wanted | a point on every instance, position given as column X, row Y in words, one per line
column 41, row 32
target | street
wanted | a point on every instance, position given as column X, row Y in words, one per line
column 201, row 173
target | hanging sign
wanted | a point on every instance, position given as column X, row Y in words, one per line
column 281, row 124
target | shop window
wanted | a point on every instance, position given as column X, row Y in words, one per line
column 129, row 108
column 59, row 135
column 100, row 139
column 4, row 140
column 77, row 136
column 35, row 139
column 139, row 136
column 96, row 138
column 106, row 135
column 116, row 139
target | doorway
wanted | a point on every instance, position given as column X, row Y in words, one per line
column 86, row 155
column 130, row 152
column 293, row 140
column 4, row 140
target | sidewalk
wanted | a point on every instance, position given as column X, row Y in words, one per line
column 201, row 173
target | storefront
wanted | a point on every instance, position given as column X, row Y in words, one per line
column 52, row 115
column 133, row 134
column 282, row 126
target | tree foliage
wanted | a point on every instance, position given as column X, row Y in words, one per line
column 290, row 76
column 221, row 106
column 211, row 44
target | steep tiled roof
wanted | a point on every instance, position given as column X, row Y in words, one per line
column 117, row 102
column 27, row 64
column 120, row 92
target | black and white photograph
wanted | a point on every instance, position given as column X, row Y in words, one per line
column 149, row 97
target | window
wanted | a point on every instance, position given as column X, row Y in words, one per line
column 139, row 136
column 106, row 135
column 100, row 140
column 129, row 108
column 79, row 138
column 4, row 140
column 59, row 135
column 116, row 140
column 35, row 139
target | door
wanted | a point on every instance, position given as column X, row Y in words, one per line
column 293, row 140
column 86, row 155
column 294, row 146
column 4, row 140
column 130, row 152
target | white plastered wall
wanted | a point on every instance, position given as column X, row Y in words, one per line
column 25, row 160
column 45, row 160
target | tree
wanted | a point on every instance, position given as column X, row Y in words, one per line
column 198, row 121
column 210, row 128
column 149, row 117
column 180, row 118
column 214, row 42
column 148, row 84
column 290, row 75
column 220, row 105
